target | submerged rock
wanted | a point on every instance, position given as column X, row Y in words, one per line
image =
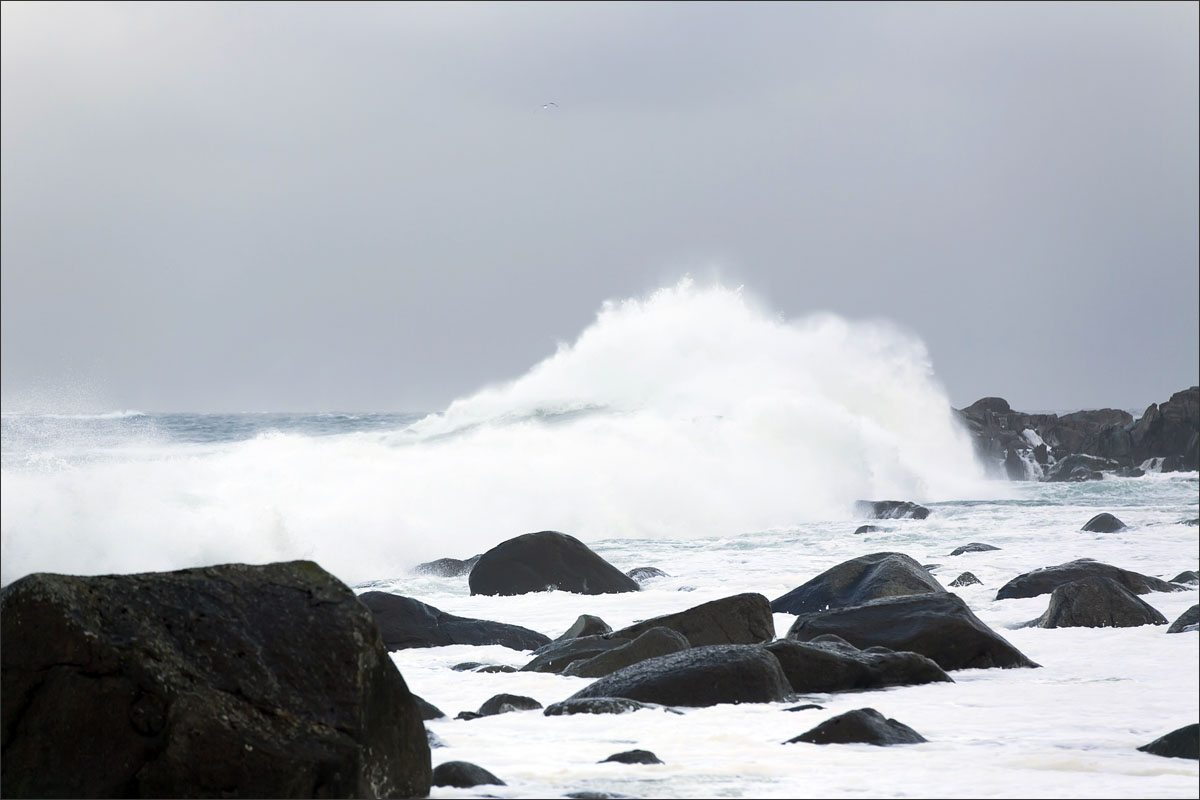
column 558, row 655
column 654, row 642
column 600, row 705
column 1187, row 577
column 1188, row 621
column 504, row 703
column 633, row 757
column 966, row 579
column 643, row 574
column 1104, row 523
column 1096, row 602
column 406, row 622
column 938, row 625
column 830, row 664
column 447, row 567
column 973, row 547
column 1181, row 743
column 1047, row 579
column 861, row 726
column 463, row 775
column 856, row 581
column 536, row 562
column 259, row 681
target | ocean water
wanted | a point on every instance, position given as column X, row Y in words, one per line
column 692, row 430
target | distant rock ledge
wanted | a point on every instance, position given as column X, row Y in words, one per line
column 1085, row 445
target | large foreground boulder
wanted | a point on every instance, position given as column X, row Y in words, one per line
column 738, row 619
column 860, row 726
column 536, row 562
column 406, row 622
column 1096, row 602
column 1181, row 743
column 698, row 676
column 856, row 581
column 831, row 664
column 1047, row 579
column 937, row 625
column 234, row 680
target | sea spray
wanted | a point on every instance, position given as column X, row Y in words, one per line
column 691, row 412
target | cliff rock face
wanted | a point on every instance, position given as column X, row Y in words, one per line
column 1037, row 446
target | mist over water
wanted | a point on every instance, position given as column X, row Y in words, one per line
column 691, row 412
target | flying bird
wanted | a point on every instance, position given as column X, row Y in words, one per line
column 549, row 106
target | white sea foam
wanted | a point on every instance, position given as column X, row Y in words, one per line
column 689, row 413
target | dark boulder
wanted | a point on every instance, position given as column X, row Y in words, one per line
column 861, row 726
column 973, row 547
column 633, row 757
column 558, row 655
column 1047, row 579
column 805, row 707
column 504, row 703
column 937, row 625
column 739, row 619
column 856, row 581
column 1096, row 602
column 427, row 709
column 643, row 574
column 536, row 562
column 585, row 625
column 1188, row 621
column 463, row 775
column 652, row 643
column 1104, row 523
column 966, row 579
column 446, row 567
column 833, row 665
column 1187, row 577
column 1079, row 467
column 890, row 509
column 600, row 705
column 406, row 622
column 433, row 739
column 253, row 681
column 861, row 529
column 698, row 676
column 1181, row 743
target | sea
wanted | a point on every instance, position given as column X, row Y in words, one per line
column 692, row 430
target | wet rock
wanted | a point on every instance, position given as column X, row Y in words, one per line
column 890, row 509
column 739, row 619
column 446, row 567
column 1104, row 523
column 973, row 547
column 261, row 681
column 1188, row 621
column 1047, row 579
column 536, row 562
column 1187, row 577
column 406, row 622
column 861, row 529
column 428, row 710
column 1096, row 602
column 831, row 665
column 1079, row 467
column 861, row 726
column 504, row 703
column 433, row 739
column 558, row 655
column 643, row 574
column 937, row 625
column 601, row 705
column 805, row 707
column 585, row 625
column 856, row 581
column 966, row 579
column 1181, row 743
column 654, row 642
column 633, row 757
column 697, row 677
column 463, row 775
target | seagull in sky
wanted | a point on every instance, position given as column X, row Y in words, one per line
column 549, row 106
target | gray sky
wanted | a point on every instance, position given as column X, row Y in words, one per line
column 345, row 206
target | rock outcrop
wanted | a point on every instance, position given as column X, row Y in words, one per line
column 1047, row 579
column 548, row 560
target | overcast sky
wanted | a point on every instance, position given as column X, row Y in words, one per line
column 239, row 207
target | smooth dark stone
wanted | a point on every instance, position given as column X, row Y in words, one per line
column 697, row 677
column 1188, row 621
column 1187, row 576
column 504, row 703
column 654, row 642
column 600, row 705
column 861, row 726
column 825, row 666
column 633, row 757
column 740, row 619
column 547, row 560
column 406, row 622
column 468, row 666
column 973, row 547
column 966, row 579
column 585, row 625
column 558, row 655
column 805, row 707
column 1181, row 743
column 1096, row 602
column 891, row 509
column 856, row 581
column 428, row 710
column 861, row 529
column 1047, row 579
column 269, row 679
column 643, row 574
column 938, row 625
column 1104, row 523
column 463, row 775
column 446, row 567
column 468, row 715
